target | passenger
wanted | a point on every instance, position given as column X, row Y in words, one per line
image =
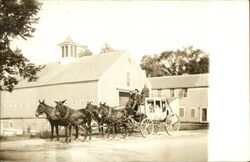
column 151, row 108
column 163, row 107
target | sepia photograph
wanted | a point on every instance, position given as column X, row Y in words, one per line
column 124, row 81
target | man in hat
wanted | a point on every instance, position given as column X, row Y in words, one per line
column 136, row 100
column 144, row 93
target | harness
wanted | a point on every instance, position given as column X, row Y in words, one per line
column 49, row 115
column 67, row 113
column 91, row 114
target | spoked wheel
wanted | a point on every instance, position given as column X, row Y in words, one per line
column 120, row 131
column 172, row 124
column 120, row 128
column 147, row 127
column 156, row 128
column 130, row 127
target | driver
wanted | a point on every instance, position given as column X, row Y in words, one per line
column 136, row 100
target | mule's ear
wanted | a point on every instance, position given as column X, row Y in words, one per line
column 39, row 101
column 43, row 101
column 63, row 101
column 56, row 102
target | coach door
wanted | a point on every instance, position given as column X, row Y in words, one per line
column 123, row 98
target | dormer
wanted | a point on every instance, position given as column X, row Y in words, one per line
column 68, row 49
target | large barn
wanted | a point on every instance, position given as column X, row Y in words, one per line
column 106, row 77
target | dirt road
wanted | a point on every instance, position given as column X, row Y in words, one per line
column 184, row 146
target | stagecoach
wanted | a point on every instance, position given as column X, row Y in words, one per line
column 154, row 114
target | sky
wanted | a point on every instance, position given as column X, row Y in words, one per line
column 139, row 27
column 220, row 28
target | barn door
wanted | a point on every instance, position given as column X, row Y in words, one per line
column 123, row 98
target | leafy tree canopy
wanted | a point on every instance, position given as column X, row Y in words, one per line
column 107, row 48
column 16, row 20
column 84, row 51
column 182, row 61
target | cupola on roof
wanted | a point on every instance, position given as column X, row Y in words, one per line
column 68, row 50
column 68, row 41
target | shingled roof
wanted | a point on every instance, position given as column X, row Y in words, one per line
column 179, row 81
column 87, row 68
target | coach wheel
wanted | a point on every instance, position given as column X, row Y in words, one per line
column 172, row 124
column 130, row 127
column 121, row 131
column 147, row 127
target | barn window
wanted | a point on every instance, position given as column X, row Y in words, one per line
column 181, row 112
column 185, row 92
column 10, row 124
column 204, row 114
column 129, row 60
column 171, row 92
column 128, row 78
column 159, row 92
column 192, row 113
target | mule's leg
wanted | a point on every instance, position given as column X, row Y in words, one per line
column 86, row 129
column 114, row 129
column 57, row 133
column 99, row 128
column 102, row 130
column 70, row 127
column 125, row 129
column 52, row 131
column 109, row 127
column 66, row 133
column 89, row 129
column 76, row 136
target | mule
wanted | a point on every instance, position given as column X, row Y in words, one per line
column 113, row 117
column 49, row 111
column 94, row 109
column 73, row 117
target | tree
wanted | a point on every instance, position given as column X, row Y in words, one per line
column 152, row 66
column 16, row 20
column 84, row 51
column 185, row 61
column 106, row 48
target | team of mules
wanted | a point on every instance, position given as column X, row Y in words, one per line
column 62, row 115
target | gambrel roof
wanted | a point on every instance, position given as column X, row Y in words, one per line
column 84, row 69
